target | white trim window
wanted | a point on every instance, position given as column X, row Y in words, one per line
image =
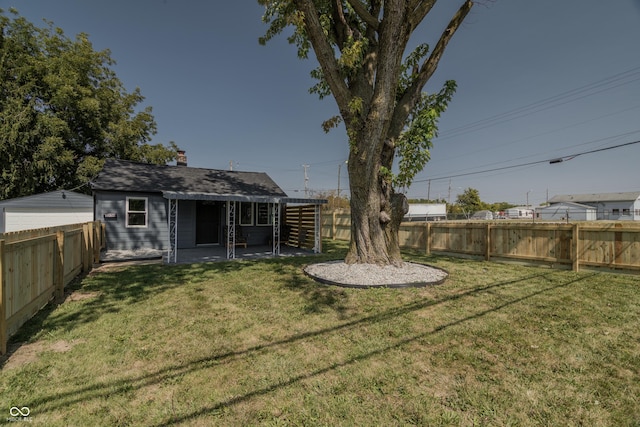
column 246, row 213
column 137, row 212
column 264, row 214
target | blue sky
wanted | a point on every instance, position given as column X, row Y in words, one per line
column 536, row 80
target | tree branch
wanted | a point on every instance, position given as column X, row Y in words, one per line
column 412, row 93
column 325, row 54
column 342, row 29
column 364, row 14
column 419, row 9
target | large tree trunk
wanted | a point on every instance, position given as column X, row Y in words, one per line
column 376, row 213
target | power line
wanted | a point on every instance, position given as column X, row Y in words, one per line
column 590, row 120
column 550, row 102
column 608, row 138
column 553, row 160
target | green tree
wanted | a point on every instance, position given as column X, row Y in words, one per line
column 469, row 201
column 361, row 46
column 501, row 206
column 428, row 201
column 333, row 200
column 63, row 111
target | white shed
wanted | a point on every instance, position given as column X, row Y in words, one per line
column 567, row 211
column 45, row 210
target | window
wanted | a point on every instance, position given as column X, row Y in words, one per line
column 245, row 211
column 625, row 212
column 615, row 212
column 264, row 214
column 137, row 212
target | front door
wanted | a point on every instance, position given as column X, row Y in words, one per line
column 207, row 223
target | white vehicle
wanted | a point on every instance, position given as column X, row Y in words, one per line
column 426, row 212
column 519, row 213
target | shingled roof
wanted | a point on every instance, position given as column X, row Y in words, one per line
column 121, row 175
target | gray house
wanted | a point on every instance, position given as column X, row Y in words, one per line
column 565, row 211
column 608, row 206
column 168, row 208
column 45, row 210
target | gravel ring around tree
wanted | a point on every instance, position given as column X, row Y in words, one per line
column 365, row 276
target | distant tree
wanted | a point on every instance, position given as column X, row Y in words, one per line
column 469, row 201
column 361, row 46
column 333, row 201
column 428, row 201
column 63, row 111
column 500, row 206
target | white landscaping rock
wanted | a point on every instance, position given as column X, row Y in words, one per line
column 372, row 275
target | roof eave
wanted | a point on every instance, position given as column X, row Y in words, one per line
column 187, row 195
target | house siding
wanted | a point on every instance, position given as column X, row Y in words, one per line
column 111, row 209
column 563, row 211
column 17, row 219
column 257, row 234
column 614, row 211
column 609, row 206
column 45, row 210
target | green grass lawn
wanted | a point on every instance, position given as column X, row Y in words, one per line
column 259, row 343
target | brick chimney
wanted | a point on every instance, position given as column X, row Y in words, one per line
column 182, row 158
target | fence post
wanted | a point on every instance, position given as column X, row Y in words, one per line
column 3, row 314
column 317, row 210
column 428, row 239
column 487, row 250
column 95, row 241
column 59, row 276
column 333, row 225
column 575, row 246
column 617, row 244
column 86, row 253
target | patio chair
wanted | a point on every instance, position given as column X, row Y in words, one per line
column 241, row 239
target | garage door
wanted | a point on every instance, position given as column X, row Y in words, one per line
column 25, row 219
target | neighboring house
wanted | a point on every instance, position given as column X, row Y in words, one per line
column 45, row 210
column 168, row 208
column 608, row 206
column 565, row 211
column 426, row 212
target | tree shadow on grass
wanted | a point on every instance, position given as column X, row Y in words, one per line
column 108, row 291
column 103, row 389
column 289, row 274
column 318, row 297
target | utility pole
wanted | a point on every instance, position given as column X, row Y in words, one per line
column 339, row 169
column 338, row 192
column 306, row 181
column 429, row 191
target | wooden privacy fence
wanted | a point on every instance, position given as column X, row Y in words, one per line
column 36, row 265
column 613, row 245
column 300, row 222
